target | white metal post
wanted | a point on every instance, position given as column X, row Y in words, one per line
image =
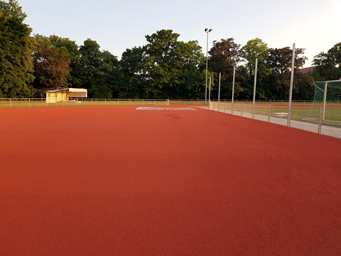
column 219, row 92
column 320, row 122
column 254, row 90
column 291, row 83
column 209, row 94
column 269, row 113
column 234, row 74
column 324, row 100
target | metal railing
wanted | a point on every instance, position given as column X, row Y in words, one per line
column 41, row 102
column 304, row 115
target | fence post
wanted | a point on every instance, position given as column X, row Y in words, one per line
column 241, row 110
column 29, row 103
column 320, row 121
column 10, row 103
column 105, row 102
column 269, row 113
column 225, row 107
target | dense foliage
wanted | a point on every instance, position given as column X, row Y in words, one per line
column 16, row 45
column 162, row 68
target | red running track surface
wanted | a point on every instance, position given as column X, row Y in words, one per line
column 120, row 181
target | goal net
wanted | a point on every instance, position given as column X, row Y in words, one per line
column 328, row 92
column 327, row 97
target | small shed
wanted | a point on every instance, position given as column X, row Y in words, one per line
column 64, row 94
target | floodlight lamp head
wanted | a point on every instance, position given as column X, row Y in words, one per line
column 206, row 29
column 210, row 30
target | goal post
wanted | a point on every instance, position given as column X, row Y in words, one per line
column 327, row 93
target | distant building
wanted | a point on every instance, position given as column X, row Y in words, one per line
column 65, row 94
column 305, row 71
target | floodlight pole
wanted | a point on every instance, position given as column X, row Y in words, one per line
column 291, row 83
column 207, row 31
column 254, row 90
column 219, row 92
column 233, row 82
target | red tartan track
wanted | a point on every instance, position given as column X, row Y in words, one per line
column 119, row 181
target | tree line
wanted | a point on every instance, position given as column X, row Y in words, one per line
column 163, row 68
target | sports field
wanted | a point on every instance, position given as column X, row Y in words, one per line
column 113, row 180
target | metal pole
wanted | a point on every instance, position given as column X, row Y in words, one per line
column 241, row 110
column 320, row 121
column 225, row 107
column 324, row 100
column 206, row 68
column 254, row 90
column 234, row 73
column 209, row 95
column 219, row 92
column 291, row 83
column 269, row 113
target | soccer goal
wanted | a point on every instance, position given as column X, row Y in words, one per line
column 327, row 94
column 327, row 103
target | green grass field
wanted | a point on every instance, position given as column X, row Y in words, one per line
column 300, row 111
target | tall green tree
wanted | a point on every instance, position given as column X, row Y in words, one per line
column 172, row 64
column 256, row 49
column 98, row 71
column 70, row 47
column 280, row 62
column 163, row 63
column 51, row 64
column 328, row 65
column 134, row 75
column 164, row 68
column 16, row 45
column 253, row 49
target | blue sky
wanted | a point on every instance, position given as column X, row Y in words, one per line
column 118, row 25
